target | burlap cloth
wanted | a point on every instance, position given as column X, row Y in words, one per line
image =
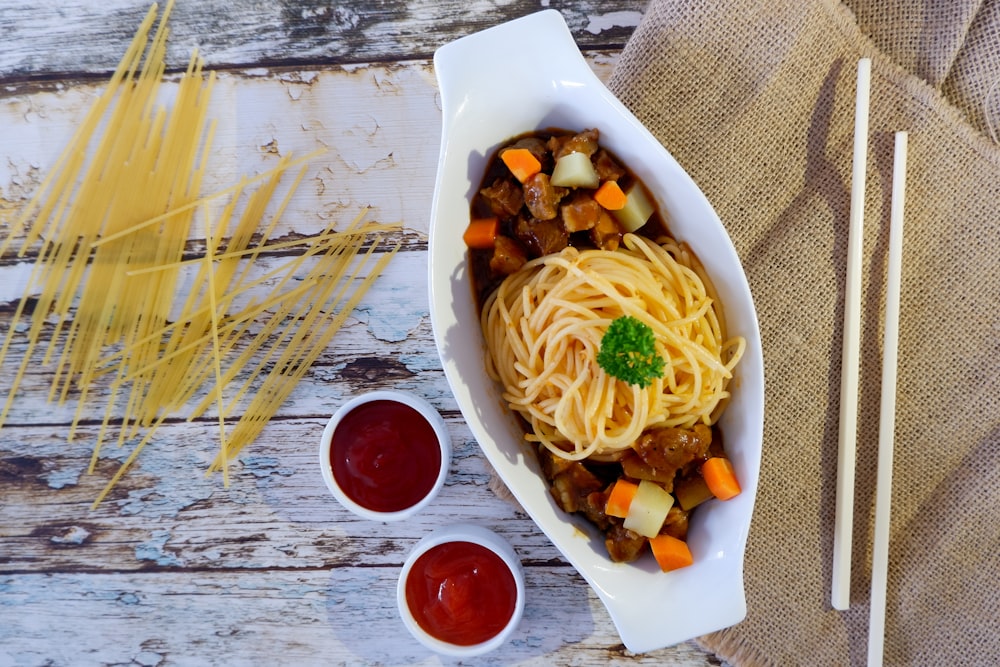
column 755, row 98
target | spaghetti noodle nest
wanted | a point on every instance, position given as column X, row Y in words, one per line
column 544, row 324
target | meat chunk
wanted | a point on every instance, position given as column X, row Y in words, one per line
column 571, row 487
column 585, row 142
column 552, row 464
column 541, row 197
column 635, row 467
column 593, row 507
column 580, row 212
column 624, row 546
column 541, row 237
column 607, row 168
column 504, row 197
column 669, row 449
column 676, row 523
column 508, row 256
column 606, row 234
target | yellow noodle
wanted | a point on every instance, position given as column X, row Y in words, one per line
column 333, row 248
column 216, row 353
column 306, row 312
column 272, row 247
column 123, row 468
column 194, row 204
column 67, row 165
column 270, row 398
column 544, row 325
column 233, row 322
column 111, row 285
column 149, row 171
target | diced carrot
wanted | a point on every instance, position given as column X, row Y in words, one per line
column 481, row 233
column 521, row 162
column 620, row 498
column 610, row 196
column 670, row 553
column 720, row 477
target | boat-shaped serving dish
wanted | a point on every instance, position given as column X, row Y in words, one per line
column 491, row 92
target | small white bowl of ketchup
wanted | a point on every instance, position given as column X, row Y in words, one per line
column 385, row 455
column 461, row 591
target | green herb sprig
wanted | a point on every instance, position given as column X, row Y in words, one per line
column 628, row 352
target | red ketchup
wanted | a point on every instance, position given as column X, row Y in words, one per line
column 461, row 593
column 385, row 456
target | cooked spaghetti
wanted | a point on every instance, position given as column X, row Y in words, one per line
column 544, row 325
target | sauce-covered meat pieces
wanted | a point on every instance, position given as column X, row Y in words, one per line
column 541, row 237
column 540, row 216
column 541, row 197
column 607, row 167
column 580, row 212
column 585, row 142
column 505, row 197
column 665, row 455
column 666, row 451
column 508, row 256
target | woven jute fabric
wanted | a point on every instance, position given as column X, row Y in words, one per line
column 755, row 98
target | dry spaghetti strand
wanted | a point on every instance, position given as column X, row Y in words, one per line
column 111, row 225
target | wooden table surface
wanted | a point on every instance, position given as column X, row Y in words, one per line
column 173, row 568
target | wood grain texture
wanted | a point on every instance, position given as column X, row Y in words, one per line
column 67, row 39
column 173, row 568
column 302, row 617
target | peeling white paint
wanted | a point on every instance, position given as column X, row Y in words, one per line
column 601, row 22
column 148, row 659
column 62, row 477
column 313, row 13
column 153, row 550
column 73, row 535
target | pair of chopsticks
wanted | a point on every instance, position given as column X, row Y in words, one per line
column 841, row 584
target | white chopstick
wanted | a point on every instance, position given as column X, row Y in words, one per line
column 887, row 419
column 846, row 453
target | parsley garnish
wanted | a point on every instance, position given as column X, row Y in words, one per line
column 628, row 352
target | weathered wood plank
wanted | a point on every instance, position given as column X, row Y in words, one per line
column 303, row 617
column 275, row 513
column 380, row 126
column 377, row 124
column 386, row 340
column 69, row 39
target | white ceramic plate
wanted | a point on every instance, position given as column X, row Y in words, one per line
column 489, row 93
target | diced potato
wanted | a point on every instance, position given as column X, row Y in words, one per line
column 637, row 209
column 649, row 509
column 574, row 170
